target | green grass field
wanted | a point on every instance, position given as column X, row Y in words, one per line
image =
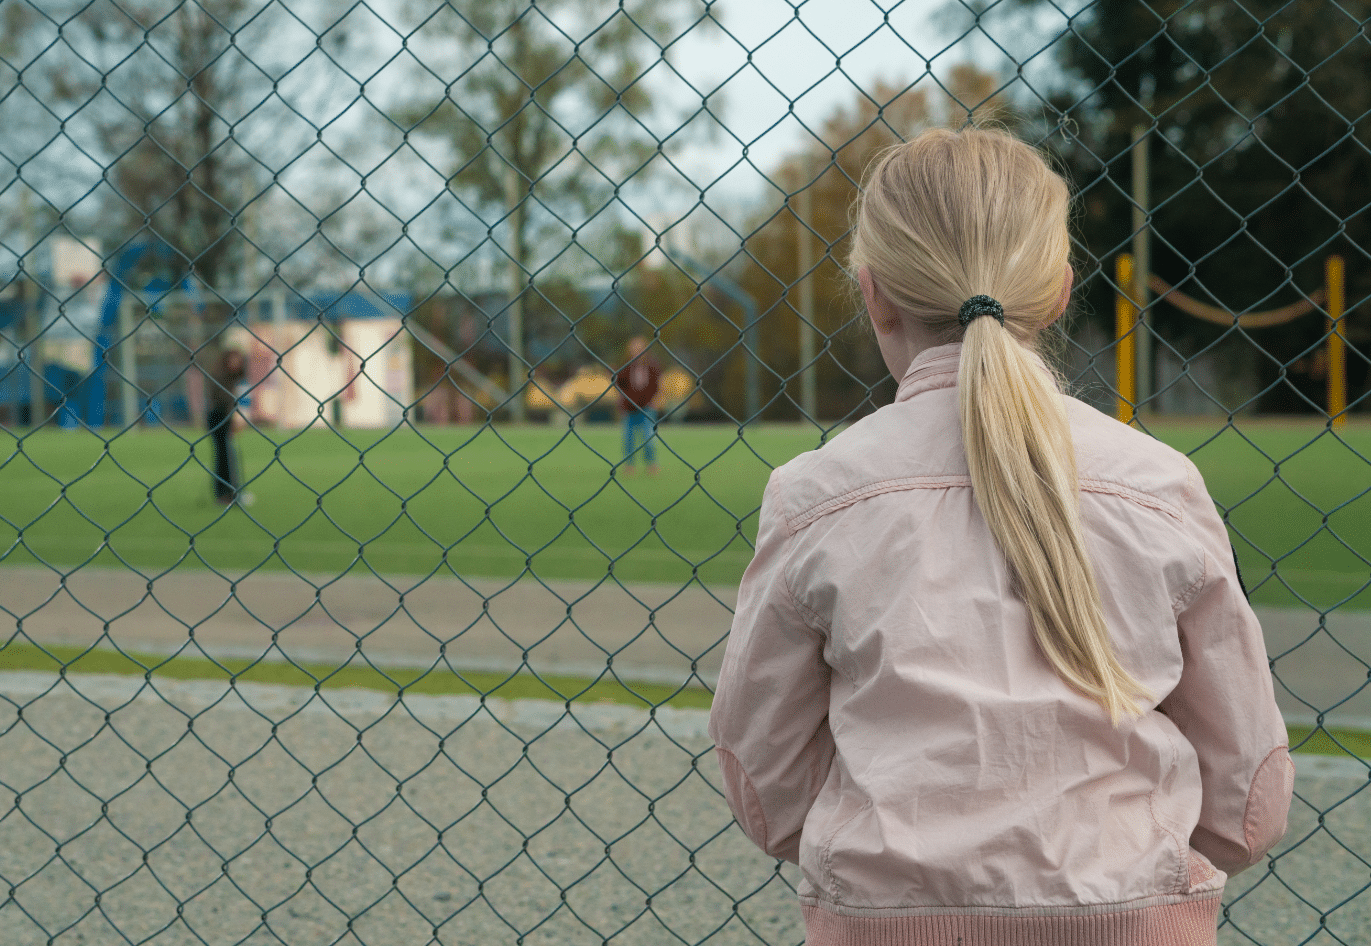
column 498, row 501
column 1299, row 512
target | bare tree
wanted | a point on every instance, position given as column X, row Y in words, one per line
column 178, row 107
column 801, row 246
column 545, row 113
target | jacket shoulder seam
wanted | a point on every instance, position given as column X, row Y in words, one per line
column 1190, row 477
column 819, row 510
column 812, row 619
column 1192, row 482
column 1092, row 484
column 807, row 614
column 1192, row 590
column 774, row 485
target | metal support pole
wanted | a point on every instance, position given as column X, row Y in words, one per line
column 804, row 256
column 515, row 191
column 1142, row 260
column 1335, row 286
column 33, row 358
column 128, row 364
column 33, row 308
column 1126, row 325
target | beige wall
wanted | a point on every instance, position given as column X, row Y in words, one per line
column 380, row 372
column 310, row 374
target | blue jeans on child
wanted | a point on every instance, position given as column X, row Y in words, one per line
column 640, row 424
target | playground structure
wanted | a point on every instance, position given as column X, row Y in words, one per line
column 84, row 358
column 50, row 323
column 342, row 359
column 590, row 394
column 117, row 353
column 1129, row 322
column 112, row 343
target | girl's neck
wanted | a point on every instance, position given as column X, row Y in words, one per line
column 902, row 342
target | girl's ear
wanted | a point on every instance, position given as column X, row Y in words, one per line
column 878, row 308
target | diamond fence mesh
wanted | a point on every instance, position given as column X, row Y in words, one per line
column 402, row 633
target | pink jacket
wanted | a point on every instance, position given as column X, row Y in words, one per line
column 885, row 719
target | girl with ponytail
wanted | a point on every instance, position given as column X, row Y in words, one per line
column 993, row 677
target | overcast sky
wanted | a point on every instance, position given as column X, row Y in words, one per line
column 820, row 53
column 815, row 54
column 771, row 69
column 815, row 57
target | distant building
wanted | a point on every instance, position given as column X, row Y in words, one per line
column 345, row 360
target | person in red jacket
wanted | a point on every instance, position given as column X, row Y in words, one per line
column 638, row 382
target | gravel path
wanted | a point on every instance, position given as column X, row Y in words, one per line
column 271, row 815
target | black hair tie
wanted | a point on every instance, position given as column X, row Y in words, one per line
column 977, row 306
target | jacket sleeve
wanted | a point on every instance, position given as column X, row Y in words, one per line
column 769, row 719
column 1225, row 704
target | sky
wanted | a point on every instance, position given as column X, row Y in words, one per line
column 817, row 54
column 766, row 69
column 768, row 55
column 772, row 68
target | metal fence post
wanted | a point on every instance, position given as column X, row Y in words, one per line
column 31, row 297
column 518, row 279
column 1126, row 340
column 1337, row 346
column 128, row 363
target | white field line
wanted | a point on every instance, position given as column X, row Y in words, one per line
column 277, row 702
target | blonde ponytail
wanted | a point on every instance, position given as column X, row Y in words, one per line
column 1023, row 475
column 951, row 215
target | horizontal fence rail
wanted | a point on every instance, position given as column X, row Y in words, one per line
column 347, row 600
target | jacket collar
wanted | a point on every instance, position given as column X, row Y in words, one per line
column 936, row 367
column 932, row 368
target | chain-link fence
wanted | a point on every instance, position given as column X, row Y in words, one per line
column 347, row 605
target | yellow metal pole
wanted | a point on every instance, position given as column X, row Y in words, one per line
column 1126, row 341
column 1337, row 346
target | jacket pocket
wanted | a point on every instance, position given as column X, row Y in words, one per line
column 1172, row 823
column 850, row 811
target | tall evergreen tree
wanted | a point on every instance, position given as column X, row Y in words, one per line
column 1256, row 120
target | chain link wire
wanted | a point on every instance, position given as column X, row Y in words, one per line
column 420, row 653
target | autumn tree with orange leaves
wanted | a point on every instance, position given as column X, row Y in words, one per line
column 851, row 378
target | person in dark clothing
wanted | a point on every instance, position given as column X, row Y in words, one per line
column 221, row 396
column 638, row 382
